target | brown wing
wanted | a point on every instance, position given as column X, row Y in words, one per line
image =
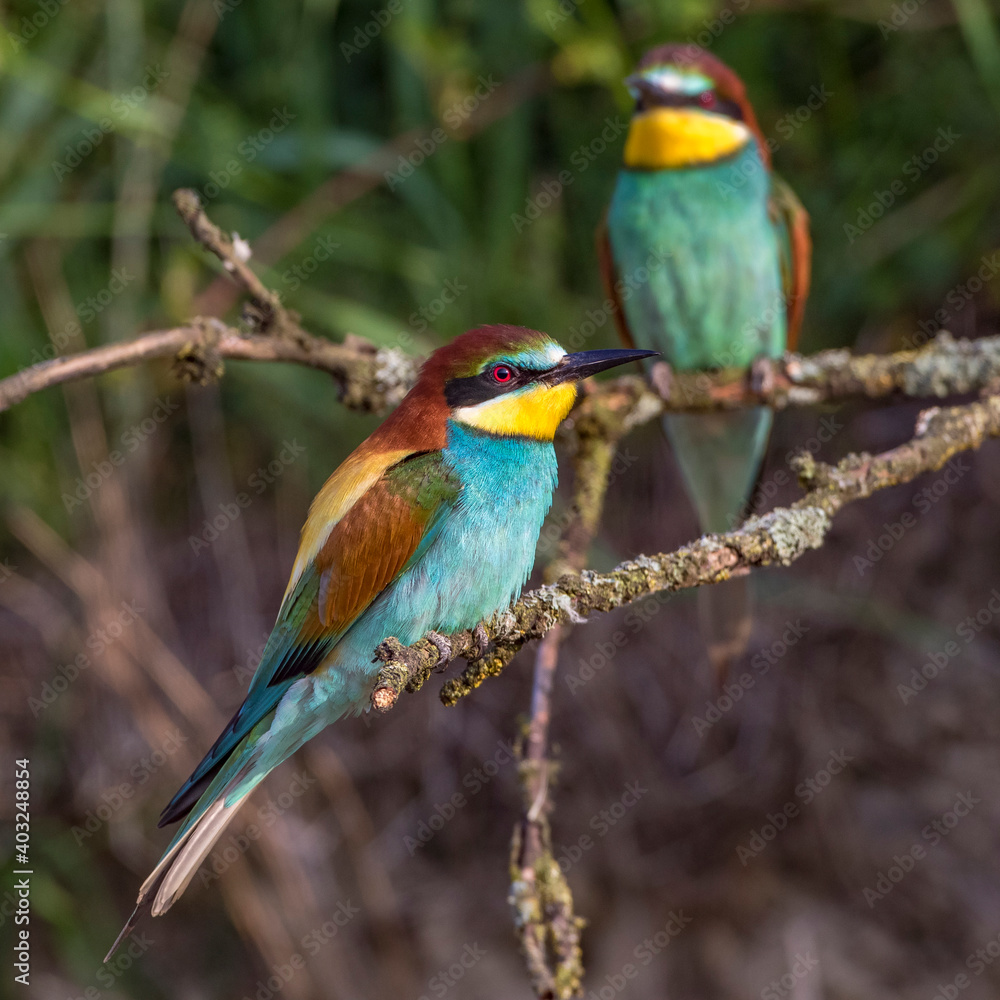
column 609, row 278
column 376, row 538
column 792, row 221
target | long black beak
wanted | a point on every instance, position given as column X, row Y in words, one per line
column 574, row 367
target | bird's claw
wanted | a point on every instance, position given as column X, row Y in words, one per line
column 443, row 645
column 662, row 377
column 762, row 375
column 482, row 640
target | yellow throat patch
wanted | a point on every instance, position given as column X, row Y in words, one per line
column 533, row 413
column 665, row 138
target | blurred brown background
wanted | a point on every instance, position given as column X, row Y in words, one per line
column 130, row 625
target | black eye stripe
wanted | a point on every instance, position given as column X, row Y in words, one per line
column 658, row 99
column 479, row 388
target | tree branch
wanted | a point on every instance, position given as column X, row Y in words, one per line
column 942, row 367
column 369, row 378
column 777, row 538
column 540, row 897
column 272, row 317
column 376, row 379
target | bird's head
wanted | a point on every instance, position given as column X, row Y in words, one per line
column 511, row 381
column 691, row 109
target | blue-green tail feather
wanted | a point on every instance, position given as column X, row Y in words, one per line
column 720, row 456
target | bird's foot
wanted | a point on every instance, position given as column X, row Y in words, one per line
column 482, row 640
column 762, row 379
column 443, row 645
column 662, row 377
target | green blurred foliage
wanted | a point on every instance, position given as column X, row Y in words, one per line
column 258, row 104
column 181, row 116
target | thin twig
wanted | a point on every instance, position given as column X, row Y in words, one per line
column 777, row 538
column 273, row 317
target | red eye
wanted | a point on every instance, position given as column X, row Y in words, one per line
column 502, row 374
column 707, row 99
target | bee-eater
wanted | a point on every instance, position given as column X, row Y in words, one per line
column 429, row 525
column 697, row 182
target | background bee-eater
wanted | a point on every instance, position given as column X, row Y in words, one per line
column 430, row 524
column 697, row 186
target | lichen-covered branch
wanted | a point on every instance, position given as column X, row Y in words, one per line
column 776, row 538
column 942, row 367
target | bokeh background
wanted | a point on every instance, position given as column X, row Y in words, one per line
column 301, row 126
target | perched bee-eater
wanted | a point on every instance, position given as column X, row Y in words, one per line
column 429, row 525
column 697, row 183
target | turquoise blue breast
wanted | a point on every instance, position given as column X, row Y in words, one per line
column 480, row 555
column 717, row 301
